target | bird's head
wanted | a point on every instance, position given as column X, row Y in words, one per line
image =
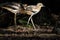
column 40, row 5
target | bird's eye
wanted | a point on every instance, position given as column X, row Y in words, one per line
column 39, row 5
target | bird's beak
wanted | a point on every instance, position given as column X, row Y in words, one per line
column 43, row 6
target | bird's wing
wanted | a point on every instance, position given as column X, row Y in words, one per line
column 13, row 6
column 9, row 9
column 16, row 4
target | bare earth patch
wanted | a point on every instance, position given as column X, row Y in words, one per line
column 27, row 32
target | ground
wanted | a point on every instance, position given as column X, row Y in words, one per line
column 27, row 33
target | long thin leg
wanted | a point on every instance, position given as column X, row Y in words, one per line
column 15, row 22
column 33, row 23
column 29, row 19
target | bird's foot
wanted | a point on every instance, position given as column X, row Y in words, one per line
column 34, row 28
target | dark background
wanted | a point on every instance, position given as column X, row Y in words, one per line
column 54, row 5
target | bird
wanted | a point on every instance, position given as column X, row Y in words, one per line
column 17, row 9
column 33, row 10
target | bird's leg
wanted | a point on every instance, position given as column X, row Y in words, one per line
column 33, row 24
column 15, row 20
column 29, row 19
